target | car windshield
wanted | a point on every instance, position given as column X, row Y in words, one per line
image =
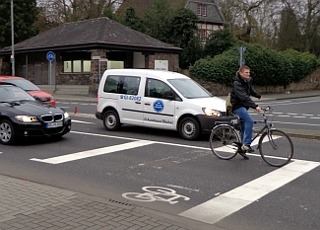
column 23, row 84
column 189, row 88
column 12, row 93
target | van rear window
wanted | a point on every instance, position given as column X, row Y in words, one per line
column 122, row 84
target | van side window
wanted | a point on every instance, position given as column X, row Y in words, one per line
column 122, row 85
column 158, row 89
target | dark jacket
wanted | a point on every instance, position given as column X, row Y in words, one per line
column 241, row 92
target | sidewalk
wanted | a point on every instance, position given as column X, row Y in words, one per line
column 25, row 205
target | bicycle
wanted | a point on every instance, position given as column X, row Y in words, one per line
column 275, row 146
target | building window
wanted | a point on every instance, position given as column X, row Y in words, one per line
column 203, row 35
column 76, row 62
column 202, row 10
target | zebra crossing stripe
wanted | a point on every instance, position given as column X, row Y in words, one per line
column 93, row 152
column 232, row 201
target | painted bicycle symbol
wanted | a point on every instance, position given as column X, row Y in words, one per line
column 155, row 193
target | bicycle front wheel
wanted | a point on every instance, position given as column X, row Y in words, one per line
column 276, row 148
column 223, row 141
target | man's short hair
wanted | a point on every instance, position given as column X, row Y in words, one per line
column 243, row 67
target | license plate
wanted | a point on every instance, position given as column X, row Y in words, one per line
column 54, row 124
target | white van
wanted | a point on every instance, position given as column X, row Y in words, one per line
column 157, row 99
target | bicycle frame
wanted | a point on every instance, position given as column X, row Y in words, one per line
column 265, row 129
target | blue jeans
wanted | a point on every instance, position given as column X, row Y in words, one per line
column 246, row 125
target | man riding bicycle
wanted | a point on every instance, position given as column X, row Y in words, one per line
column 241, row 102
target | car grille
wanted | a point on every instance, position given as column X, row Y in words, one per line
column 52, row 117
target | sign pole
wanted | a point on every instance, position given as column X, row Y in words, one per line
column 51, row 57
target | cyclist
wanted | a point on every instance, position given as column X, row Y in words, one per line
column 241, row 102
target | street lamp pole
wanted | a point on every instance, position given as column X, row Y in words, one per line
column 12, row 41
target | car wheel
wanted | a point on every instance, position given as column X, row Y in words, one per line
column 189, row 128
column 7, row 133
column 111, row 120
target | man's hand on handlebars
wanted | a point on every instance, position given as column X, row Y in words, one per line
column 259, row 109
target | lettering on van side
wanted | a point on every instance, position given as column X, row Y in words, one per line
column 158, row 121
column 130, row 98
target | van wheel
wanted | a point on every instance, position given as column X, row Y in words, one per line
column 111, row 120
column 7, row 132
column 189, row 128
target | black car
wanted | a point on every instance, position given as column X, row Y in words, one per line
column 23, row 116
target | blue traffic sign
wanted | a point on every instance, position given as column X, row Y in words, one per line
column 51, row 56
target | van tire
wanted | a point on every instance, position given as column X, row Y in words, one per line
column 111, row 120
column 189, row 128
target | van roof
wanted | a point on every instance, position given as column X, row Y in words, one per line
column 160, row 74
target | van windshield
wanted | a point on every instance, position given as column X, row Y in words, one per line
column 189, row 88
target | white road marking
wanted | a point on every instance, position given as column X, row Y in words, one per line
column 307, row 114
column 232, row 201
column 93, row 152
column 284, row 115
column 286, row 103
column 299, row 117
column 295, row 123
column 81, row 122
column 314, row 117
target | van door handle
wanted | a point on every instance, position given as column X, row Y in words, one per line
column 147, row 103
column 138, row 102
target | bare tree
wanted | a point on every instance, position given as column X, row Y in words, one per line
column 242, row 15
column 61, row 11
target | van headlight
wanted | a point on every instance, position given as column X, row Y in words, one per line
column 211, row 112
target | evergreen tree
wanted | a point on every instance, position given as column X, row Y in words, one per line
column 289, row 33
column 218, row 42
column 133, row 21
column 182, row 32
column 157, row 18
column 25, row 13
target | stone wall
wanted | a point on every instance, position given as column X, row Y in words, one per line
column 311, row 82
column 173, row 60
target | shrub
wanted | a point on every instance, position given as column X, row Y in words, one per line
column 268, row 67
column 303, row 63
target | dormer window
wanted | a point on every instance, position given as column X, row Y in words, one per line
column 202, row 10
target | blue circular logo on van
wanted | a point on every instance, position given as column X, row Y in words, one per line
column 158, row 105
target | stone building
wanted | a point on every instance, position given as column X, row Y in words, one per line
column 77, row 53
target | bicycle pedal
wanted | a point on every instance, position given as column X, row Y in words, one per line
column 243, row 154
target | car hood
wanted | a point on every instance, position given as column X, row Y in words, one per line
column 31, row 108
column 211, row 103
column 39, row 94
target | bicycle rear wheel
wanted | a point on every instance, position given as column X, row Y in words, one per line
column 276, row 148
column 222, row 141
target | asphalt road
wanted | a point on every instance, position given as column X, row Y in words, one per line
column 124, row 166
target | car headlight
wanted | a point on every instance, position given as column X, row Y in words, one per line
column 66, row 115
column 211, row 112
column 25, row 118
